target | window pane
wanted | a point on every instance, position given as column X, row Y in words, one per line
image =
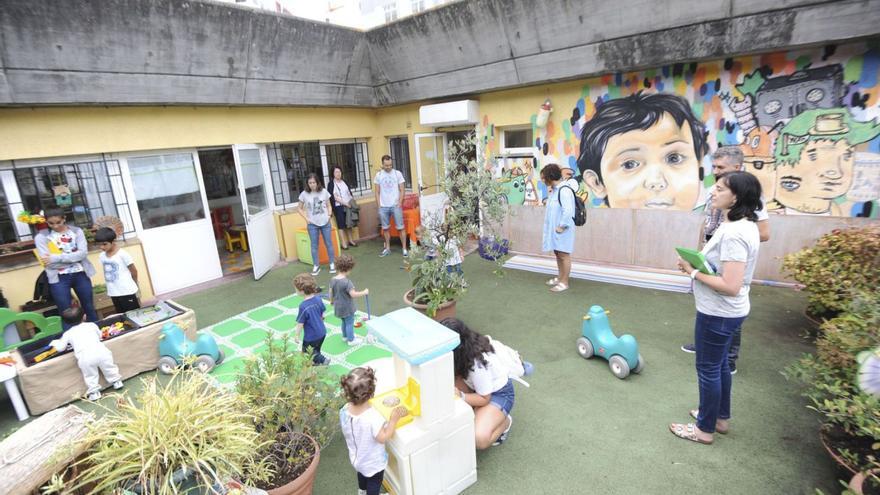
column 167, row 189
column 300, row 160
column 7, row 228
column 521, row 138
column 400, row 158
column 252, row 175
column 344, row 156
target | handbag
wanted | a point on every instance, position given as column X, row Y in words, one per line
column 352, row 214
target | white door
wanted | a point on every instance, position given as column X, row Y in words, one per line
column 252, row 169
column 430, row 171
column 171, row 218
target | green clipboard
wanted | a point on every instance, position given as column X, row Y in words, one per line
column 696, row 259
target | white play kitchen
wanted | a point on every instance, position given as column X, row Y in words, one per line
column 433, row 451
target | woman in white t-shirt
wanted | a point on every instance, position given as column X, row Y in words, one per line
column 340, row 198
column 314, row 207
column 482, row 381
column 722, row 301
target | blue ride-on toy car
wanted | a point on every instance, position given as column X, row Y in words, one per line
column 597, row 338
column 175, row 349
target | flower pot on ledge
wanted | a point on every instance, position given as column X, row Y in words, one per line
column 446, row 310
column 303, row 484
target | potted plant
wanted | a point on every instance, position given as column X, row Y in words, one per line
column 298, row 406
column 851, row 429
column 840, row 262
column 187, row 436
column 867, row 482
column 474, row 207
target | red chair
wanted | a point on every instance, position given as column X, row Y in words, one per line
column 221, row 219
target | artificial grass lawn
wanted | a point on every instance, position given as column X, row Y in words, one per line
column 578, row 429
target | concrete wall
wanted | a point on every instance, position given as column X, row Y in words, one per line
column 176, row 52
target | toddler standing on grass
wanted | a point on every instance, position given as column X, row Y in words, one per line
column 341, row 293
column 310, row 318
column 365, row 430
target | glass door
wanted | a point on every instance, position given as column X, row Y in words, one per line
column 431, row 170
column 251, row 167
column 171, row 220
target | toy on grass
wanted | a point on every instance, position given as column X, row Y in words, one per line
column 360, row 323
column 176, row 350
column 597, row 338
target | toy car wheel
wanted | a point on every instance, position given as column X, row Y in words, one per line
column 167, row 365
column 640, row 366
column 204, row 363
column 220, row 358
column 618, row 367
column 585, row 347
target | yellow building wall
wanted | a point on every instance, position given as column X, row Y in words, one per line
column 18, row 283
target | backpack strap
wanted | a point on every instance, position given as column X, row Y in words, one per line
column 573, row 194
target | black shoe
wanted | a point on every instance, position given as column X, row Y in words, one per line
column 689, row 348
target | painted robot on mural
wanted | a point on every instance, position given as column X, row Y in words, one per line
column 808, row 123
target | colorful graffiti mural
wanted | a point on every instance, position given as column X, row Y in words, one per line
column 808, row 123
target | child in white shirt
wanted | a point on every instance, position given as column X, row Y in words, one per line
column 119, row 272
column 91, row 354
column 365, row 430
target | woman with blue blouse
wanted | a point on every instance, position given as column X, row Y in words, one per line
column 558, row 224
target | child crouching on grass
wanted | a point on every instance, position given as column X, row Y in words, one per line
column 365, row 430
column 310, row 318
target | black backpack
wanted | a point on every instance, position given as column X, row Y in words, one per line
column 580, row 209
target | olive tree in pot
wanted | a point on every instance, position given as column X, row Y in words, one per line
column 298, row 414
column 475, row 207
column 187, row 436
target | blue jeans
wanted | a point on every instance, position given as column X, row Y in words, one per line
column 713, row 336
column 324, row 230
column 313, row 347
column 82, row 285
column 348, row 327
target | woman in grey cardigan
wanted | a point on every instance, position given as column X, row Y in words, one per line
column 64, row 252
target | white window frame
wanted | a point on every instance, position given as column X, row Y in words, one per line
column 503, row 145
column 116, row 175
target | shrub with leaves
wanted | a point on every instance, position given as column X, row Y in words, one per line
column 840, row 262
column 831, row 375
column 187, row 433
column 294, row 398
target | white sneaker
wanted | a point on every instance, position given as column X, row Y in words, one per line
column 405, row 253
column 117, row 385
column 332, row 268
column 316, row 270
column 362, row 492
column 94, row 395
column 355, row 341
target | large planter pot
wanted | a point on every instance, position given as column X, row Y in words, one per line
column 859, row 485
column 446, row 310
column 842, row 463
column 302, row 485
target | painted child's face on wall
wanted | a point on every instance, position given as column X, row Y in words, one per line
column 824, row 171
column 654, row 168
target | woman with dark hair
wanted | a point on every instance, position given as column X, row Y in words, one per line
column 558, row 224
column 483, row 382
column 722, row 301
column 314, row 207
column 340, row 199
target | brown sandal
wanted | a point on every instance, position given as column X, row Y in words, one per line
column 688, row 432
column 695, row 412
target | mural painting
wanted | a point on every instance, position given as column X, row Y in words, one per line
column 808, row 123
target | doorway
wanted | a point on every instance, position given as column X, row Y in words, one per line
column 227, row 215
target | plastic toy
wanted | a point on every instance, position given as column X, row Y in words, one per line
column 360, row 323
column 175, row 349
column 597, row 338
column 46, row 353
column 112, row 330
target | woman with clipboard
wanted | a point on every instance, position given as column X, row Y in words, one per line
column 722, row 301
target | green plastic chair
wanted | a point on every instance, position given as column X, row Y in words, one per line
column 46, row 327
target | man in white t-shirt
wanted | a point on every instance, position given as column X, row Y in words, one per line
column 727, row 159
column 389, row 197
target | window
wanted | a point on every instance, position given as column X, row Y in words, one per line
column 95, row 189
column 399, row 147
column 390, row 11
column 352, row 157
column 517, row 138
column 167, row 189
column 418, row 6
column 289, row 165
